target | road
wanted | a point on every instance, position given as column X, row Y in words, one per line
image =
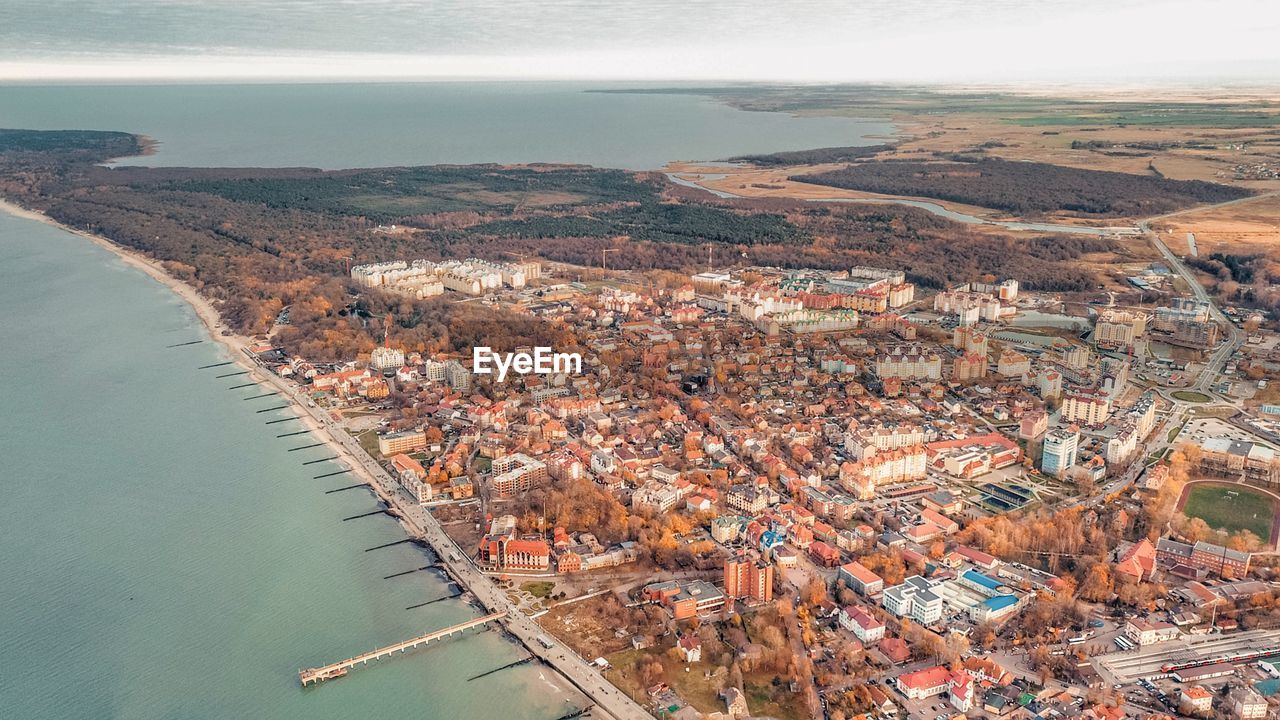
column 420, row 523
column 1235, row 336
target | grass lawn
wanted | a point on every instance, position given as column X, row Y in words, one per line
column 539, row 589
column 1191, row 396
column 1231, row 508
column 369, row 441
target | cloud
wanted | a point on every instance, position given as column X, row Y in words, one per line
column 802, row 40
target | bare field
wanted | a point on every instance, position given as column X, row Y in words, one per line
column 1243, row 228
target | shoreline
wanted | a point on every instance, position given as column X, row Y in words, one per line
column 416, row 521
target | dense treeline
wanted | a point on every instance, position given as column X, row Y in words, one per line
column 1238, row 268
column 92, row 144
column 817, row 156
column 1027, row 187
column 388, row 194
column 658, row 222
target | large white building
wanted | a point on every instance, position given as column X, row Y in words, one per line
column 385, row 358
column 1059, row 451
column 915, row 599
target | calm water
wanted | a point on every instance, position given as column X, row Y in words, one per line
column 165, row 556
column 364, row 125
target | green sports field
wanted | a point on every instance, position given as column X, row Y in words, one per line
column 1231, row 508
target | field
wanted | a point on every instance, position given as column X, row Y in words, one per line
column 1244, row 228
column 1231, row 508
column 1191, row 396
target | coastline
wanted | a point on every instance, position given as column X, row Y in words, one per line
column 416, row 521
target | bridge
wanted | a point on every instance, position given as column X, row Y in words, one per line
column 338, row 669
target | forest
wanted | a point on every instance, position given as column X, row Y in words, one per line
column 1027, row 187
column 257, row 240
column 817, row 156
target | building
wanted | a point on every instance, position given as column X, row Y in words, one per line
column 690, row 648
column 886, row 467
column 1197, row 700
column 749, row 579
column 385, row 358
column 401, row 442
column 925, row 683
column 1247, row 704
column 1033, row 424
column 909, row 362
column 1203, row 556
column 858, row 578
column 502, row 550
column 969, row 341
column 914, row 599
column 1149, row 632
column 1059, row 452
column 970, row 366
column 1117, row 329
column 1240, row 458
column 961, row 691
column 516, row 473
column 862, row 624
column 747, row 499
column 1013, row 364
column 1138, row 562
column 685, row 599
column 1086, row 407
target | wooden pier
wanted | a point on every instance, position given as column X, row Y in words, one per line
column 338, row 669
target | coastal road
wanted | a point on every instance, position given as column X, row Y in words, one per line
column 420, row 523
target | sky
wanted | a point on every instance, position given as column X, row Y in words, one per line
column 975, row 41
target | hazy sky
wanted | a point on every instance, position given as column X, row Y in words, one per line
column 806, row 40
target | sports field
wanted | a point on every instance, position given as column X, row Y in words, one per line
column 1231, row 508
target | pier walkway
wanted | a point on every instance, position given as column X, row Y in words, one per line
column 338, row 669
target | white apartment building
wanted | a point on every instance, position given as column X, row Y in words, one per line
column 1087, row 408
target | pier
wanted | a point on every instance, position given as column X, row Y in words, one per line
column 326, row 459
column 338, row 669
column 433, row 602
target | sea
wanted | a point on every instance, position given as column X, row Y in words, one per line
column 164, row 553
column 382, row 124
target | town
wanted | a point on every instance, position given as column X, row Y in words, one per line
column 802, row 493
